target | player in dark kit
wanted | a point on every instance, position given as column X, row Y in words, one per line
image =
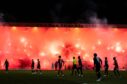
column 106, row 66
column 97, row 66
column 60, row 64
column 38, row 66
column 32, row 66
column 56, row 63
column 116, row 67
column 80, row 67
column 6, row 64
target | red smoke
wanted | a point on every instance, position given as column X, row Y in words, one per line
column 21, row 44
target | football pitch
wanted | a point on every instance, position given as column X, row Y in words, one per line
column 50, row 77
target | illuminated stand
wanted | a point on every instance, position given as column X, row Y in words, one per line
column 19, row 43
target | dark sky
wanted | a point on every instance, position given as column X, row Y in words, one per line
column 67, row 11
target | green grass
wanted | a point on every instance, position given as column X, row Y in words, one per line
column 49, row 77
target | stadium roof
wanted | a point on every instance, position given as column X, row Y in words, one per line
column 63, row 25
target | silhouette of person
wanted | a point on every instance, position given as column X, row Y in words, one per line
column 97, row 66
column 32, row 66
column 116, row 67
column 52, row 66
column 106, row 66
column 38, row 66
column 60, row 64
column 6, row 64
column 74, row 67
column 56, row 63
column 80, row 67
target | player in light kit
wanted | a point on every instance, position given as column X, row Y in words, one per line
column 74, row 67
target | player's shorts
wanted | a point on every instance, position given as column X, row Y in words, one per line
column 97, row 69
column 38, row 67
column 60, row 66
column 116, row 68
column 32, row 67
column 106, row 68
column 74, row 67
column 80, row 67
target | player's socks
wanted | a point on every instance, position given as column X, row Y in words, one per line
column 99, row 79
column 81, row 75
column 105, row 75
column 62, row 74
